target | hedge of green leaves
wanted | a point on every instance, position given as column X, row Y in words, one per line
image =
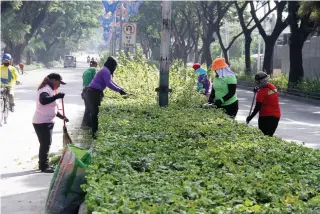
column 184, row 159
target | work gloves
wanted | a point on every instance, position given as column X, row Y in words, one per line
column 249, row 118
column 218, row 103
column 66, row 119
column 122, row 92
column 256, row 89
column 60, row 95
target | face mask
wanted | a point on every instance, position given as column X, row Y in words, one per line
column 262, row 83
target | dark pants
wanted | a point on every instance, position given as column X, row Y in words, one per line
column 94, row 100
column 86, row 120
column 231, row 109
column 44, row 133
column 268, row 125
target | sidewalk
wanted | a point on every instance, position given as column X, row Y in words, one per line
column 23, row 188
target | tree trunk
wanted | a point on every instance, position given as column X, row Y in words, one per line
column 29, row 60
column 206, row 54
column 247, row 50
column 268, row 56
column 16, row 53
column 296, row 62
column 196, row 54
column 155, row 53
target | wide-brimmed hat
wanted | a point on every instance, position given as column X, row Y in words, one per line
column 219, row 63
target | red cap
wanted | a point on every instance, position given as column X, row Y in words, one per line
column 196, row 66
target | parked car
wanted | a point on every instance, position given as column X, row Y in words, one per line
column 70, row 61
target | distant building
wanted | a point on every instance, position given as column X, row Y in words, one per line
column 310, row 55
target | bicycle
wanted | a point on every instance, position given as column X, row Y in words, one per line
column 4, row 105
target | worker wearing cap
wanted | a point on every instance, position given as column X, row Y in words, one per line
column 267, row 104
column 44, row 116
column 87, row 77
column 224, row 85
column 203, row 84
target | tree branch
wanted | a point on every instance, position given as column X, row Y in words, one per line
column 256, row 20
column 233, row 40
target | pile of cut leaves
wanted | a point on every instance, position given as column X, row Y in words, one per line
column 184, row 159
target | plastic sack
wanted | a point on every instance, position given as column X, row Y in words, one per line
column 82, row 209
column 65, row 194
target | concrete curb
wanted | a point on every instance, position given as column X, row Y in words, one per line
column 287, row 96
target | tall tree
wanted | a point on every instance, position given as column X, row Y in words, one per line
column 222, row 9
column 313, row 7
column 248, row 28
column 24, row 20
column 184, row 29
column 301, row 27
column 67, row 25
column 270, row 40
column 208, row 11
column 149, row 27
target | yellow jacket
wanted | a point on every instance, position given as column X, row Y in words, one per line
column 9, row 75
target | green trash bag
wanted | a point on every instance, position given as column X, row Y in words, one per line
column 65, row 194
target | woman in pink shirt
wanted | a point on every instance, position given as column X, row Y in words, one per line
column 44, row 116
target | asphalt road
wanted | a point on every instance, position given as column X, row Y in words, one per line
column 24, row 190
column 300, row 121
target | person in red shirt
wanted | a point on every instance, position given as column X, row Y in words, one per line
column 21, row 66
column 267, row 104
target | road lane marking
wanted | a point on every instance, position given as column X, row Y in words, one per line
column 302, row 123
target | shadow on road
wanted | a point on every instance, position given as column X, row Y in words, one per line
column 16, row 174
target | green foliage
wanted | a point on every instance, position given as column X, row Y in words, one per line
column 63, row 28
column 185, row 159
column 15, row 34
column 33, row 66
column 237, row 65
column 53, row 64
column 281, row 82
column 312, row 7
column 68, row 24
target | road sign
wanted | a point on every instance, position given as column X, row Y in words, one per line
column 129, row 34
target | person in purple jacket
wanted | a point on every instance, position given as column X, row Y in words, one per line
column 100, row 82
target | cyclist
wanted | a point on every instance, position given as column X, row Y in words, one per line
column 21, row 66
column 9, row 77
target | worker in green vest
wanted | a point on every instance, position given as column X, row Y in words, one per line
column 223, row 94
column 87, row 77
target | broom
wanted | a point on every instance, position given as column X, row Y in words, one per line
column 66, row 137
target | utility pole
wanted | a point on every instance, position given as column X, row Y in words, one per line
column 120, row 42
column 163, row 89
